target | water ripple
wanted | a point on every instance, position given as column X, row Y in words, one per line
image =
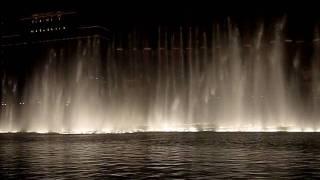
column 160, row 155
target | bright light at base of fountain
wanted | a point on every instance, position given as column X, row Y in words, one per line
column 172, row 129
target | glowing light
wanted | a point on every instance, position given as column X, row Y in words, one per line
column 147, row 49
column 162, row 129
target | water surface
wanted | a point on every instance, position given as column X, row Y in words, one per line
column 202, row 155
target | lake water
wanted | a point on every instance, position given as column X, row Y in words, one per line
column 201, row 155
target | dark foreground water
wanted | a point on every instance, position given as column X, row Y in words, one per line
column 160, row 155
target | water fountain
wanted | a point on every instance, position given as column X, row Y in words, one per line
column 191, row 81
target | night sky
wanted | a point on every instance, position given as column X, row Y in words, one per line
column 124, row 17
column 124, row 14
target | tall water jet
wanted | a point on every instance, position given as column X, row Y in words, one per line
column 8, row 104
column 315, row 94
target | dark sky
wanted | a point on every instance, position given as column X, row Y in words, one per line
column 156, row 10
column 302, row 15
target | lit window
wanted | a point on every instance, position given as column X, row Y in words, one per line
column 31, row 31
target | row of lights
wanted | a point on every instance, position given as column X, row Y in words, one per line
column 48, row 29
column 34, row 21
column 5, row 104
column 22, row 103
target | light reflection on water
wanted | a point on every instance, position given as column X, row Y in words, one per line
column 160, row 155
